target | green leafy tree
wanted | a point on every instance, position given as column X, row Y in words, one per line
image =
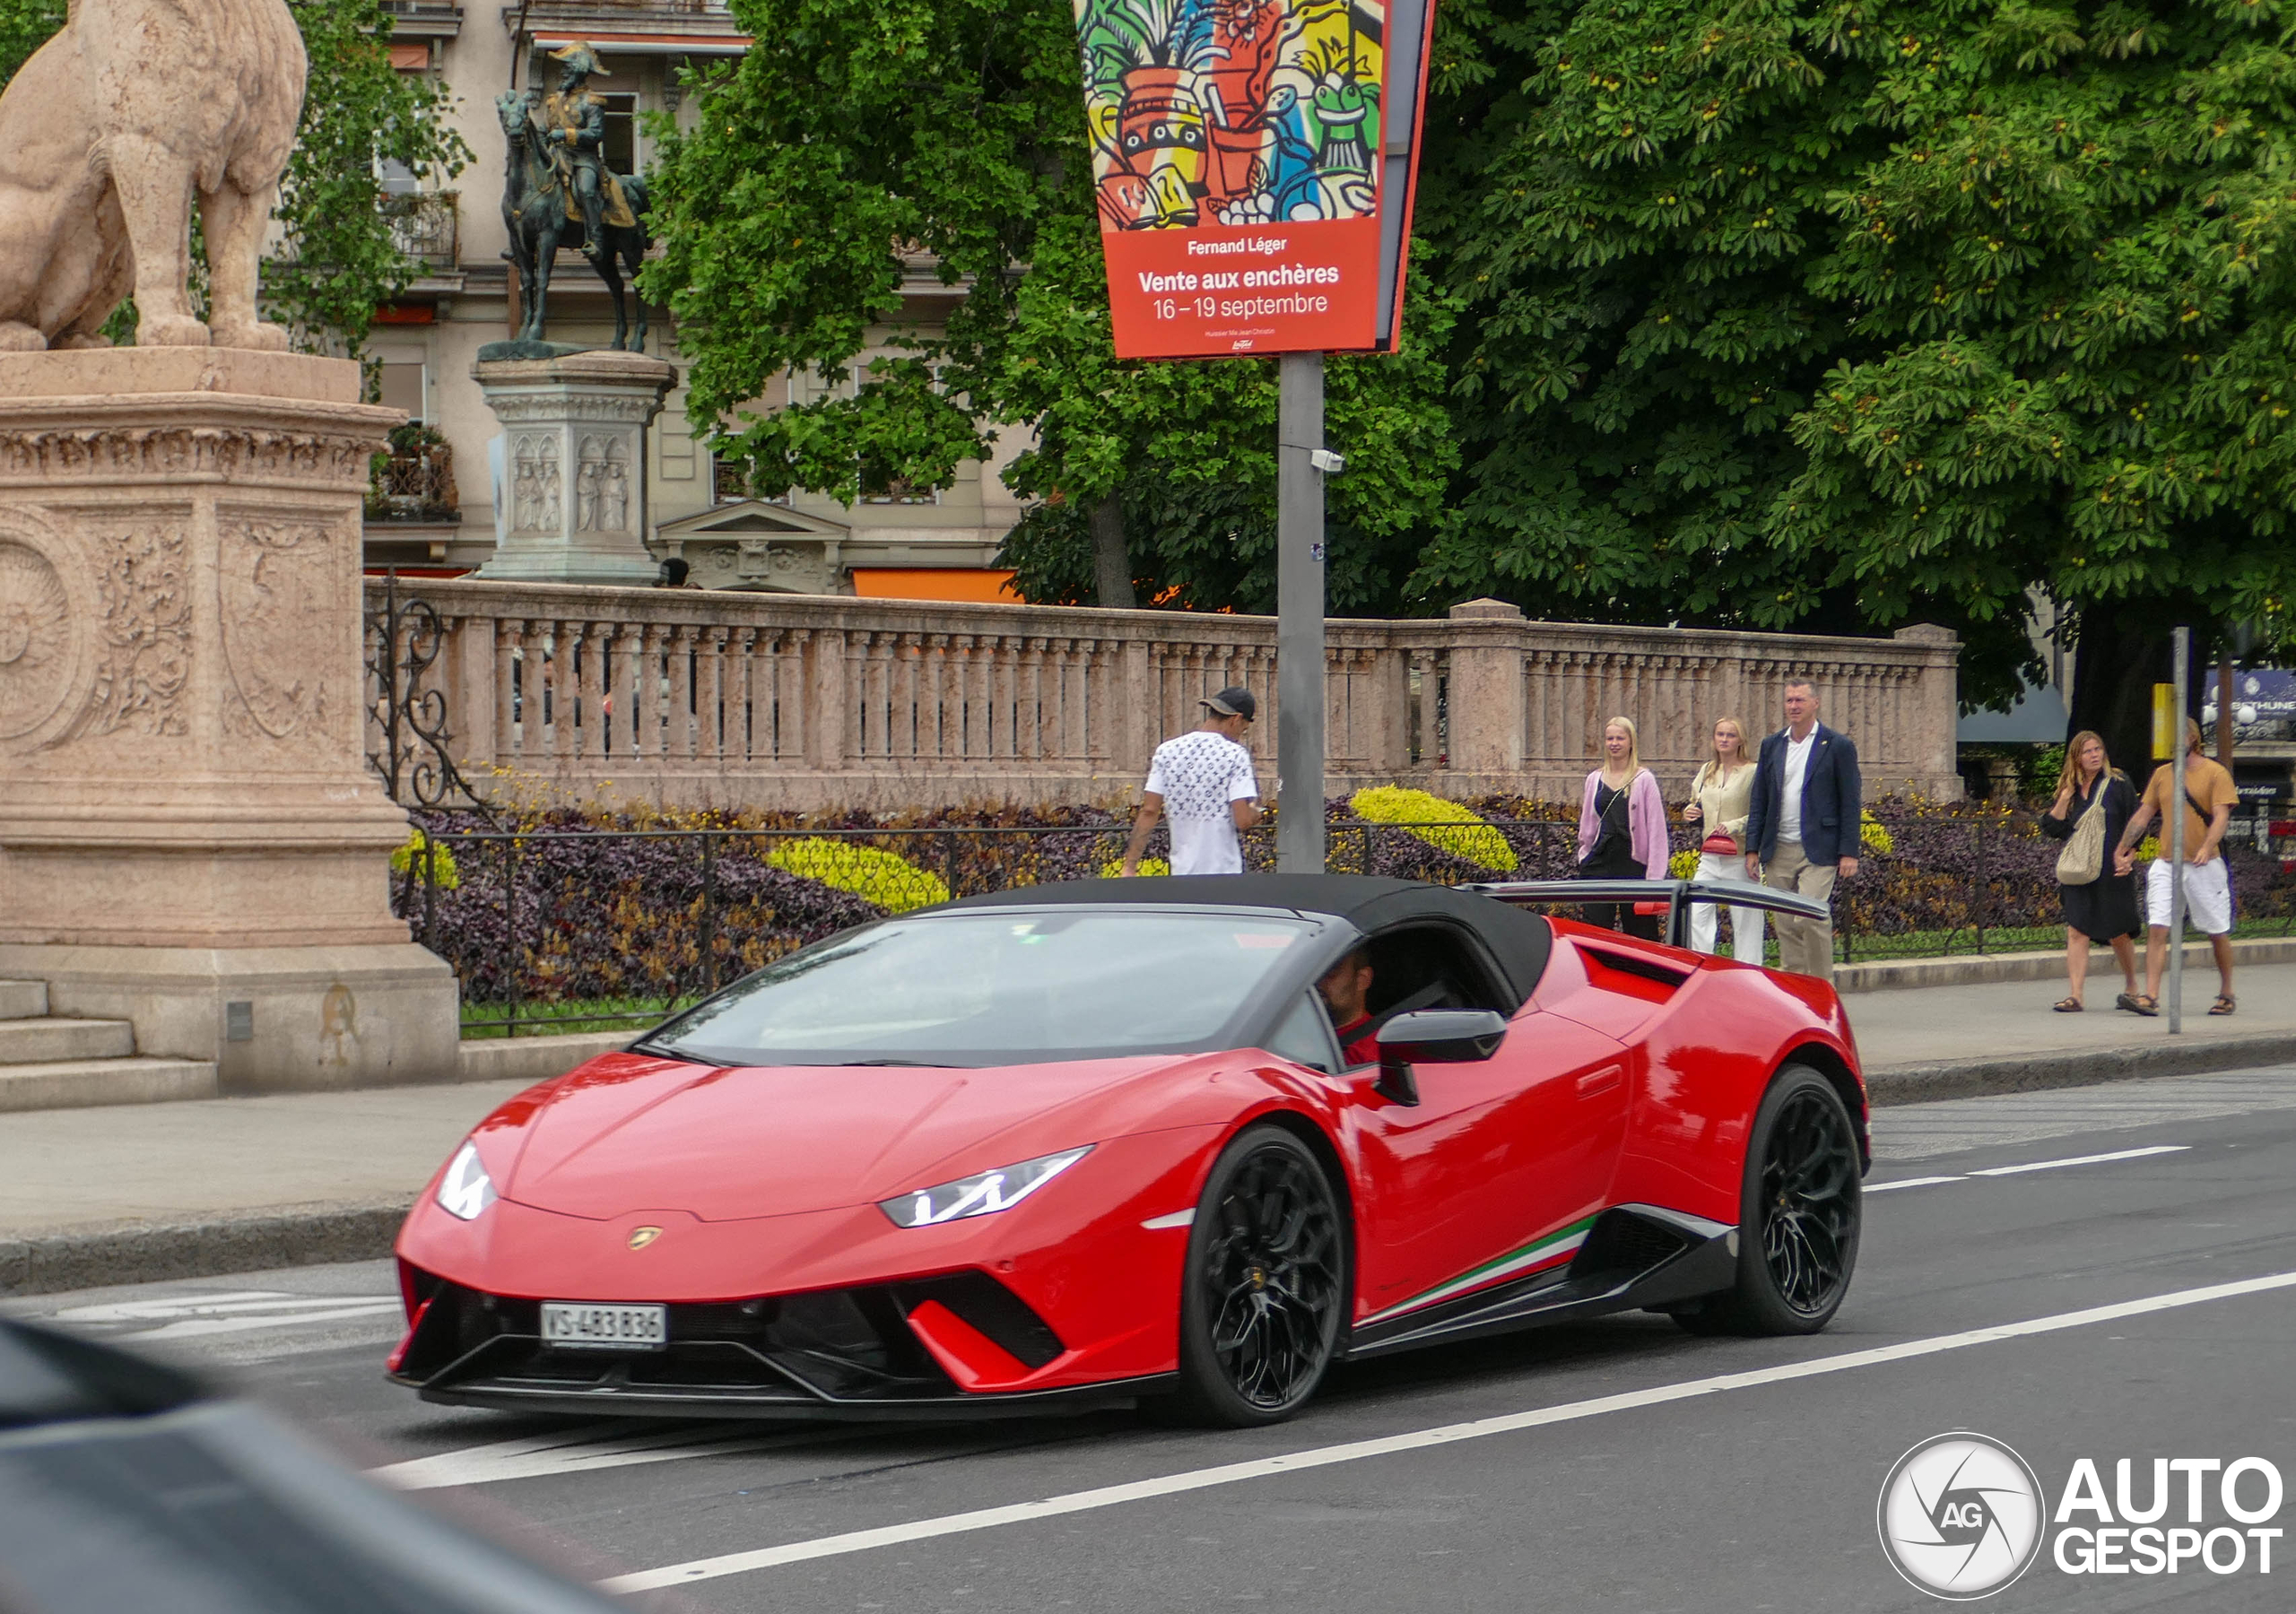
column 857, row 144
column 1632, row 202
column 2070, row 272
column 1815, row 315
column 337, row 260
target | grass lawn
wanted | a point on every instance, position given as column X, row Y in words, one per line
column 630, row 1014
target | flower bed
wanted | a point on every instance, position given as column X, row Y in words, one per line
column 652, row 908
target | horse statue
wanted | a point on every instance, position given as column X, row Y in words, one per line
column 540, row 219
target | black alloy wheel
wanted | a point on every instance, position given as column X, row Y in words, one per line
column 1802, row 1209
column 1266, row 1289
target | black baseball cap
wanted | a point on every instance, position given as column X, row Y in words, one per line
column 1232, row 703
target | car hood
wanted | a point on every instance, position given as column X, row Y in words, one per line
column 629, row 1133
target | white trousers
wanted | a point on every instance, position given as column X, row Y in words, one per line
column 1745, row 922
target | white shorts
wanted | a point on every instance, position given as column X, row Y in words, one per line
column 2208, row 896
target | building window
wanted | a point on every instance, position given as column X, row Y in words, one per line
column 729, row 485
column 403, row 388
column 619, row 149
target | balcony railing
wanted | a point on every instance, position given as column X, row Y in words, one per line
column 424, row 226
column 414, row 479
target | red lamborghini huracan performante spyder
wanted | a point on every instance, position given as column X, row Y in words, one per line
column 1097, row 1142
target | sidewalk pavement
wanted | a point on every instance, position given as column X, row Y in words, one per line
column 150, row 1192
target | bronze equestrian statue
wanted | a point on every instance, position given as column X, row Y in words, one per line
column 558, row 192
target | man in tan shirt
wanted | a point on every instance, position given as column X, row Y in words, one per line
column 2209, row 798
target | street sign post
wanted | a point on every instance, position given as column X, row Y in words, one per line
column 2174, row 841
column 1254, row 163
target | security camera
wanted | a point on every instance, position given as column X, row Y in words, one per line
column 1326, row 462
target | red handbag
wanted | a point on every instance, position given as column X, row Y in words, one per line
column 1719, row 845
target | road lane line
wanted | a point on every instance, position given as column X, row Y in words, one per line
column 200, row 1327
column 545, row 1458
column 1993, row 1171
column 2124, row 1154
column 172, row 1306
column 1142, row 1490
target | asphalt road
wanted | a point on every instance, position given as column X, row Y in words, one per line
column 1617, row 1465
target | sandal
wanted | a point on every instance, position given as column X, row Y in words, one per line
column 2222, row 1005
column 2126, row 999
column 2071, row 1005
column 2147, row 1006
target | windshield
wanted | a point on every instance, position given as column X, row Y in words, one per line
column 995, row 986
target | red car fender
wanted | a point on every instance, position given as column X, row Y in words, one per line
column 1704, row 1063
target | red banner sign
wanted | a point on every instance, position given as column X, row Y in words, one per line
column 1253, row 197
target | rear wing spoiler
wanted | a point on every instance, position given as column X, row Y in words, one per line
column 1673, row 897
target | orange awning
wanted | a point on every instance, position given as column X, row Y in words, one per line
column 411, row 58
column 934, row 582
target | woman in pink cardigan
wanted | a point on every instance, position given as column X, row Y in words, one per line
column 1621, row 828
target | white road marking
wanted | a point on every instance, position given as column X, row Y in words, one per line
column 181, row 1304
column 200, row 1327
column 1169, row 1485
column 201, row 1314
column 1914, row 1131
column 2124, row 1154
column 1992, row 1171
column 584, row 1449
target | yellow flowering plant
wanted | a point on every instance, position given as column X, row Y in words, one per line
column 1446, row 826
column 1873, row 836
column 894, row 883
column 442, row 862
column 1683, row 864
column 1114, row 868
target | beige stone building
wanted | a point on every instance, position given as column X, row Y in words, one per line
column 933, row 546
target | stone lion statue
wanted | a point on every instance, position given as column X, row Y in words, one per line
column 105, row 136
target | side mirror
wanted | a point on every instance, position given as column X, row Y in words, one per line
column 1433, row 1037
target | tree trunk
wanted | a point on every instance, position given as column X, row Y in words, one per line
column 1111, row 564
column 2124, row 650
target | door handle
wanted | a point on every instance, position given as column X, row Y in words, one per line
column 1593, row 1083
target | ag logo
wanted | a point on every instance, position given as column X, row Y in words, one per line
column 1960, row 1516
column 639, row 1237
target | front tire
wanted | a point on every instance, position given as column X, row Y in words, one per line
column 1265, row 1288
column 1801, row 1210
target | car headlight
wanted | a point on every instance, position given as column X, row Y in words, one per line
column 980, row 1194
column 465, row 1190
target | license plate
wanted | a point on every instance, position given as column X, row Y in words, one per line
column 571, row 1322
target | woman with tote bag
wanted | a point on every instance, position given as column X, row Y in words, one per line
column 2094, row 801
column 1720, row 797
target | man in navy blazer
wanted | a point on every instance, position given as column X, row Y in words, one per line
column 1802, row 830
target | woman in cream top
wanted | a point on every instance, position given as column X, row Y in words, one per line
column 1720, row 797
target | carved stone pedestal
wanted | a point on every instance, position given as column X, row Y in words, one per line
column 189, row 836
column 574, row 465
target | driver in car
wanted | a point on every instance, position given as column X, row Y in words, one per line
column 1345, row 987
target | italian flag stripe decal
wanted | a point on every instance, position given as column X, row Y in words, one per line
column 1545, row 1251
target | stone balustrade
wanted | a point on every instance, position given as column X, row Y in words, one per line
column 691, row 697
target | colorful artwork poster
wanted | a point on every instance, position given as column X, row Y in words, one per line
column 1236, row 155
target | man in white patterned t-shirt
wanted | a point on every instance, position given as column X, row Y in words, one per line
column 1203, row 781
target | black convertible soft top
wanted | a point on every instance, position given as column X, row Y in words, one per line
column 1519, row 940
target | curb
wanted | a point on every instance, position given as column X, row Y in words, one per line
column 1899, row 975
column 2084, row 1067
column 286, row 1236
